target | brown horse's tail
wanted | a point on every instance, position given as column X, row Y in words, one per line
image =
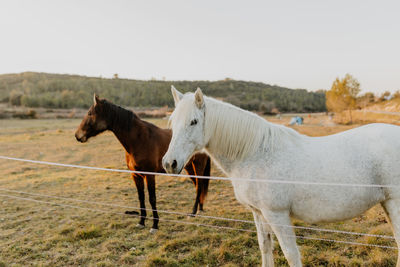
column 205, row 182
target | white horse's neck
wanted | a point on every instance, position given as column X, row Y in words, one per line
column 226, row 165
column 235, row 135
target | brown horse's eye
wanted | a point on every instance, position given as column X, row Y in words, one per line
column 193, row 122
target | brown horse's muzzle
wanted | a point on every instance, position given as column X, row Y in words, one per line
column 80, row 136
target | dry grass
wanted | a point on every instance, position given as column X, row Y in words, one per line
column 367, row 116
column 42, row 234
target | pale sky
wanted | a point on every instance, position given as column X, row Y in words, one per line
column 292, row 43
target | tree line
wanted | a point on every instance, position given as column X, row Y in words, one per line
column 32, row 89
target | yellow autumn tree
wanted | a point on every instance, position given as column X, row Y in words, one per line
column 343, row 94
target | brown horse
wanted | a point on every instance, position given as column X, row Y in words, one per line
column 145, row 144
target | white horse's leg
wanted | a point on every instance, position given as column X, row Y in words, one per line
column 285, row 235
column 265, row 241
column 392, row 209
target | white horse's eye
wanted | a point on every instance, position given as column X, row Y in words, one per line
column 193, row 122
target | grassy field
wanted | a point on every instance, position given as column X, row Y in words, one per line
column 44, row 234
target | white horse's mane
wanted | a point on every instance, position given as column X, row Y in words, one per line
column 235, row 132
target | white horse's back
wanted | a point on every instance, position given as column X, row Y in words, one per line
column 368, row 151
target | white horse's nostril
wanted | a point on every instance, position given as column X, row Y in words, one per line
column 166, row 165
column 174, row 164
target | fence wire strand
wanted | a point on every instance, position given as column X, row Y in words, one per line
column 272, row 181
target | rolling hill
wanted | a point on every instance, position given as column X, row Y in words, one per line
column 33, row 89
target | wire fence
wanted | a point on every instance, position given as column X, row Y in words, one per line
column 272, row 181
column 200, row 216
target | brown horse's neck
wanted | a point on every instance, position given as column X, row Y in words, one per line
column 124, row 123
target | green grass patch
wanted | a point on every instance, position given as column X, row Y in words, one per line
column 88, row 233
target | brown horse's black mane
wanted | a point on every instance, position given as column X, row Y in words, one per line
column 117, row 116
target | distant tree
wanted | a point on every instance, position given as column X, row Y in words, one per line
column 343, row 95
column 365, row 100
column 116, row 76
column 370, row 97
column 15, row 98
column 267, row 107
column 385, row 96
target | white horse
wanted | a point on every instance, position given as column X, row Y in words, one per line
column 247, row 146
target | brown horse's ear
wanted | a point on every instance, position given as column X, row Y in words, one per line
column 176, row 94
column 198, row 98
column 96, row 99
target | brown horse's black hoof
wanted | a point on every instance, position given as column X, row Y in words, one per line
column 131, row 212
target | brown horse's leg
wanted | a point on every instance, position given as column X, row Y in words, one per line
column 191, row 169
column 203, row 183
column 140, row 188
column 151, row 187
column 198, row 194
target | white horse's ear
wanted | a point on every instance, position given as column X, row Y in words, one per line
column 176, row 94
column 96, row 99
column 198, row 98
